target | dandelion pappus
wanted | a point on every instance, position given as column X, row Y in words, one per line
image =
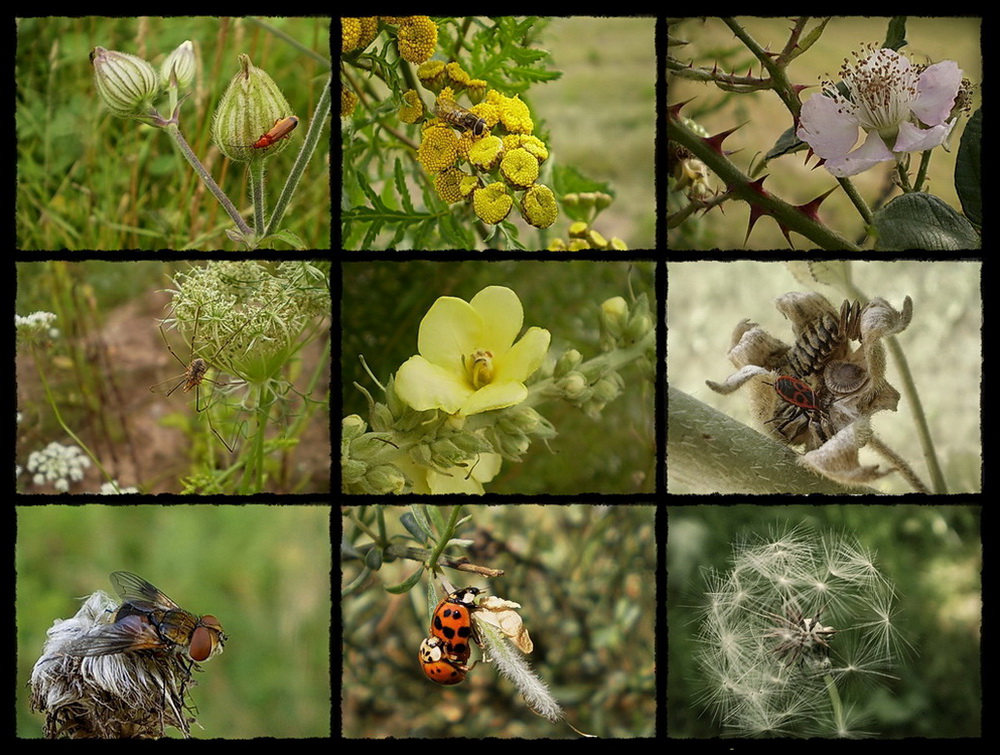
column 801, row 637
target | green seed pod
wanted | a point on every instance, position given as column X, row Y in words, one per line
column 253, row 116
column 127, row 84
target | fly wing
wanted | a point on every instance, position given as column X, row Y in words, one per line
column 140, row 593
column 129, row 633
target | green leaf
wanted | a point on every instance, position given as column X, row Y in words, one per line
column 406, row 584
column 895, row 35
column 922, row 221
column 968, row 182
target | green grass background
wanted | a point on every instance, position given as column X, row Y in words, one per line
column 930, row 39
column 87, row 180
column 263, row 570
column 384, row 302
column 943, row 345
column 602, row 115
column 933, row 555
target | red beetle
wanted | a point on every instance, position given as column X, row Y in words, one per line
column 797, row 393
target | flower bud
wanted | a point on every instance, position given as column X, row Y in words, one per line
column 248, row 110
column 614, row 315
column 126, row 83
column 574, row 386
column 569, row 360
column 352, row 427
column 181, row 64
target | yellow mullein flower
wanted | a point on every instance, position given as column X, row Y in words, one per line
column 468, row 361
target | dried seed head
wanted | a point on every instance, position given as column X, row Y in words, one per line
column 845, row 377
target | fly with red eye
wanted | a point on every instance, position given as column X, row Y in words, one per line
column 148, row 620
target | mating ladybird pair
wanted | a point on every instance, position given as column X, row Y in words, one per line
column 444, row 654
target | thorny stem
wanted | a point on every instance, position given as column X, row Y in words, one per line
column 779, row 81
column 739, row 185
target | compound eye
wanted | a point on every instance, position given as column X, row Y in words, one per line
column 479, row 128
column 201, row 644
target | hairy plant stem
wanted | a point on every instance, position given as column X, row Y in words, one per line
column 856, row 199
column 739, row 184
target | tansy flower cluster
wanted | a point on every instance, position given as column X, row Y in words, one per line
column 501, row 165
column 416, row 36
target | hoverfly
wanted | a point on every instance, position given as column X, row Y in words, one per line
column 148, row 620
column 195, row 370
column 454, row 114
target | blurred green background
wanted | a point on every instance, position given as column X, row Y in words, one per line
column 263, row 570
column 585, row 578
column 930, row 40
column 88, row 180
column 943, row 347
column 602, row 115
column 934, row 556
column 384, row 302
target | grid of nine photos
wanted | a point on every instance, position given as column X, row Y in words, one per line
column 569, row 387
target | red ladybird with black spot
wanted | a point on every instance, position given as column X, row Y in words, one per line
column 452, row 623
column 434, row 661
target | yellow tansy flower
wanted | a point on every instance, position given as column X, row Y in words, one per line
column 519, row 168
column 417, row 38
column 492, row 203
column 413, row 110
column 438, row 149
column 538, row 206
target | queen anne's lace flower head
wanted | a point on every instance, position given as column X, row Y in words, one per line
column 891, row 100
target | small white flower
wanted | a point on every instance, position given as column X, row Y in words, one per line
column 58, row 464
column 891, row 101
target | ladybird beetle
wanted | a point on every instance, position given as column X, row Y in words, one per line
column 797, row 393
column 452, row 623
column 436, row 665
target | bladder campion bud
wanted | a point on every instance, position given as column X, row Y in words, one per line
column 252, row 108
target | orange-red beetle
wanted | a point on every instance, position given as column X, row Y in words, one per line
column 280, row 130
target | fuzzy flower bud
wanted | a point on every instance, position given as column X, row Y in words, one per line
column 181, row 64
column 127, row 84
column 248, row 110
